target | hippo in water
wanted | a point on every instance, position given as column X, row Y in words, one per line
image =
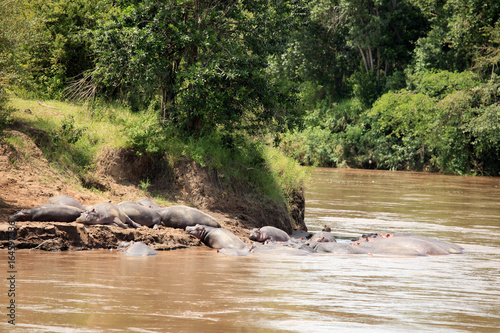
column 274, row 248
column 136, row 249
column 405, row 244
column 106, row 213
column 48, row 212
column 269, row 233
column 216, row 238
column 323, row 236
column 66, row 200
column 183, row 216
column 141, row 214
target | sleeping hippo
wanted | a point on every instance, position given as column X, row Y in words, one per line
column 183, row 216
column 148, row 203
column 66, row 200
column 141, row 214
column 269, row 233
column 106, row 213
column 48, row 212
column 216, row 238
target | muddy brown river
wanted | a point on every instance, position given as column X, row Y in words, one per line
column 198, row 290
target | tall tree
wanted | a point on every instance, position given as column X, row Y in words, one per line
column 43, row 42
column 383, row 31
column 205, row 59
column 458, row 27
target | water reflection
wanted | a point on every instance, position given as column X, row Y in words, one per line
column 198, row 290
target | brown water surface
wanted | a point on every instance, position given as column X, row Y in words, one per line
column 198, row 290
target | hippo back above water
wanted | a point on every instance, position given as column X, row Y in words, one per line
column 136, row 249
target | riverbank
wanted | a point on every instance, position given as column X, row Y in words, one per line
column 27, row 179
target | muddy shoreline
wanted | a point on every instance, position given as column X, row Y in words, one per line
column 27, row 180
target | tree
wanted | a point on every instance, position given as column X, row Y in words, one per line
column 458, row 28
column 43, row 44
column 205, row 60
column 383, row 31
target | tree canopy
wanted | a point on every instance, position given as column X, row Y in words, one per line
column 398, row 84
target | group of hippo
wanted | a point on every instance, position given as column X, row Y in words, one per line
column 267, row 240
column 127, row 214
column 271, row 240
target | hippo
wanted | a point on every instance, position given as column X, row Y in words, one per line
column 300, row 234
column 141, row 214
column 148, row 203
column 183, row 216
column 298, row 244
column 48, row 212
column 136, row 249
column 66, row 200
column 339, row 248
column 323, row 236
column 269, row 233
column 449, row 247
column 406, row 244
column 234, row 252
column 217, row 238
column 106, row 213
column 277, row 249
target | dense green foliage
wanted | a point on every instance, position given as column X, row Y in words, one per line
column 392, row 84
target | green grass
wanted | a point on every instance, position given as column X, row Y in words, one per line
column 71, row 137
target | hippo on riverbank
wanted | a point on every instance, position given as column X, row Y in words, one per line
column 141, row 214
column 216, row 238
column 183, row 216
column 66, row 200
column 136, row 249
column 148, row 203
column 269, row 233
column 48, row 213
column 106, row 213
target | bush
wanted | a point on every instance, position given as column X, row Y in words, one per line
column 365, row 88
column 5, row 110
column 441, row 83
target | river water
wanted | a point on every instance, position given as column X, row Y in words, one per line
column 198, row 290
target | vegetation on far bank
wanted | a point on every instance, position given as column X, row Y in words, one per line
column 401, row 85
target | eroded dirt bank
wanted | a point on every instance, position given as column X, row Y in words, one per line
column 27, row 180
